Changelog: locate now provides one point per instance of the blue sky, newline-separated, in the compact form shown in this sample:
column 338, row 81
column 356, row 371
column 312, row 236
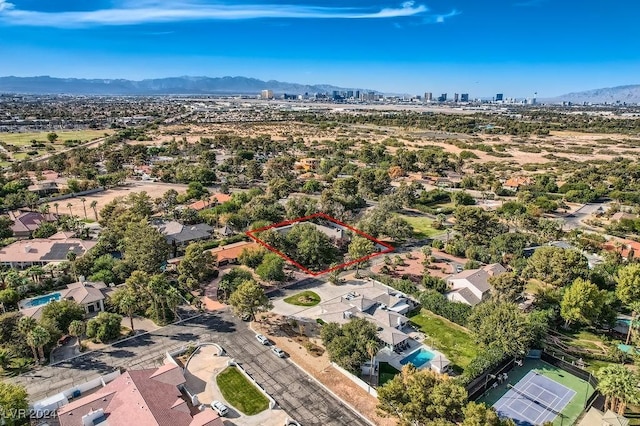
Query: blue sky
column 480, row 47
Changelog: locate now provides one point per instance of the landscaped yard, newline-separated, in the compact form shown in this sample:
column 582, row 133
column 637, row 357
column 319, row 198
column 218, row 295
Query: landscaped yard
column 386, row 373
column 421, row 226
column 20, row 139
column 240, row 392
column 306, row 298
column 451, row 339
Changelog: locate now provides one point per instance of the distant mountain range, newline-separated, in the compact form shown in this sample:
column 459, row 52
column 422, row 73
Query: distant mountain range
column 629, row 94
column 158, row 86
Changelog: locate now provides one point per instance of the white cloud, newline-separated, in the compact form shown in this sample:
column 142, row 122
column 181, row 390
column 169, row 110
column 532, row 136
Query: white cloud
column 131, row 12
column 5, row 5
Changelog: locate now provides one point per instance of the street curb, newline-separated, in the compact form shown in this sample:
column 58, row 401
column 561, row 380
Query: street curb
column 356, row 412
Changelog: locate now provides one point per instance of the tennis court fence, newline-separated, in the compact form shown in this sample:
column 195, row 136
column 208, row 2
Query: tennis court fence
column 478, row 386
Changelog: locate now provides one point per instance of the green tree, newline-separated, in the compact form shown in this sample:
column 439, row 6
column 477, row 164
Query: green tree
column 619, row 385
column 347, row 344
column 628, row 283
column 196, row 267
column 104, row 327
column 252, row 257
column 59, row 314
column 360, row 247
column 556, row 266
column 52, row 137
column 126, row 302
column 419, row 397
column 9, row 297
column 249, row 299
column 37, row 338
column 476, row 225
column 232, row 280
column 14, row 403
column 77, row 329
column 272, row 268
column 506, row 287
column 505, row 327
column 145, row 247
column 45, row 230
column 581, row 303
column 94, row 207
column 5, row 227
column 478, row 414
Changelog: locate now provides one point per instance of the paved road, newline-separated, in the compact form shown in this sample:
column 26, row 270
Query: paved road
column 293, row 390
column 574, row 220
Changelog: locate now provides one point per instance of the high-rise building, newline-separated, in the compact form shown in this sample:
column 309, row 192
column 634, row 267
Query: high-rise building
column 428, row 96
column 442, row 98
column 464, row 97
column 356, row 94
column 266, row 94
column 456, row 97
column 499, row 97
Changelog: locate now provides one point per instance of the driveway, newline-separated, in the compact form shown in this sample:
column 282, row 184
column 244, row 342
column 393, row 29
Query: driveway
column 293, row 389
column 67, row 351
column 574, row 220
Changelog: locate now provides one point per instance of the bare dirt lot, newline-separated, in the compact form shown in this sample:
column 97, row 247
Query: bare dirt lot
column 153, row 189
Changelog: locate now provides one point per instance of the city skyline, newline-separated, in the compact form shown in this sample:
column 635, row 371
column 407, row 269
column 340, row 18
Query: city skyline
column 516, row 47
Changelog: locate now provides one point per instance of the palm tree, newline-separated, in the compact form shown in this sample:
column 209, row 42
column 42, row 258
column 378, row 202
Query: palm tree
column 127, row 303
column 174, row 299
column 77, row 329
column 37, row 338
column 84, row 206
column 372, row 350
column 55, row 205
column 44, row 209
column 69, row 205
column 5, row 358
column 619, row 385
column 94, row 206
column 157, row 289
column 634, row 323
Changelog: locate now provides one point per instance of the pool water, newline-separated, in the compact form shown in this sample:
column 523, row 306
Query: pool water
column 41, row 300
column 418, row 358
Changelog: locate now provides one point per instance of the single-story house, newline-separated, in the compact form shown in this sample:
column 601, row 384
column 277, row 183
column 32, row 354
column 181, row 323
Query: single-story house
column 89, row 295
column 334, row 232
column 472, row 286
column 179, row 235
column 623, row 216
column 141, row 397
column 229, row 254
column 595, row 417
column 513, row 184
column 213, row 200
column 26, row 222
column 42, row 251
column 628, row 249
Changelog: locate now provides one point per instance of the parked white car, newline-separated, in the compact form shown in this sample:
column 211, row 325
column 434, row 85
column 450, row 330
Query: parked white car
column 279, row 352
column 262, row 339
column 220, row 408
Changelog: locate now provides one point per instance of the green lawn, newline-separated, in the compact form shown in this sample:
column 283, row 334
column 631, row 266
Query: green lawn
column 22, row 139
column 421, row 226
column 386, row 373
column 306, row 298
column 451, row 339
column 240, row 392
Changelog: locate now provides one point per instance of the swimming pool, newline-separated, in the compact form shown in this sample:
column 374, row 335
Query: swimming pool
column 418, row 358
column 40, row 300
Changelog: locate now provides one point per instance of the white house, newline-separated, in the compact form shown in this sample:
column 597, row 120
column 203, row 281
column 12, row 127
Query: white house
column 472, row 286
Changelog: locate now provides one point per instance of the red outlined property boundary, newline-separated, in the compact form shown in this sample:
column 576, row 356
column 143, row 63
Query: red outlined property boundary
column 306, row 270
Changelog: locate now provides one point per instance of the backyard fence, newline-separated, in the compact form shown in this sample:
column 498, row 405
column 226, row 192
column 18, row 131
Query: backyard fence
column 361, row 383
column 479, row 386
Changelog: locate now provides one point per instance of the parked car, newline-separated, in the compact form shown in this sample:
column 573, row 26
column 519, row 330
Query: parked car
column 64, row 340
column 291, row 422
column 262, row 339
column 279, row 352
column 459, row 268
column 246, row 317
column 220, row 408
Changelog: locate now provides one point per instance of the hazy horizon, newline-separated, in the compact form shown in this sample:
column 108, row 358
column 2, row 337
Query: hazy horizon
column 515, row 47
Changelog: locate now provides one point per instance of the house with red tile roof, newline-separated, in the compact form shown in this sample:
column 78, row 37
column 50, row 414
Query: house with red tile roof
column 628, row 249
column 215, row 199
column 150, row 397
column 513, row 184
column 230, row 253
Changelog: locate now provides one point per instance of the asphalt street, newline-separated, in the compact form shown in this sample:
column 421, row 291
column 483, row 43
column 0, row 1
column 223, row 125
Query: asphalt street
column 299, row 395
